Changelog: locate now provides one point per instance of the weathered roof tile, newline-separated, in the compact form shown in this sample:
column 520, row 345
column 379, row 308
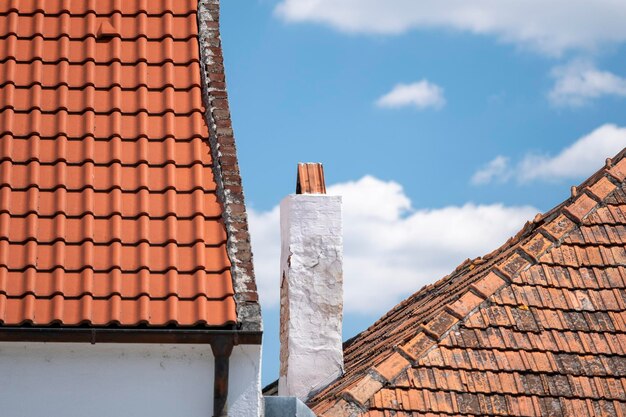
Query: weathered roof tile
column 548, row 340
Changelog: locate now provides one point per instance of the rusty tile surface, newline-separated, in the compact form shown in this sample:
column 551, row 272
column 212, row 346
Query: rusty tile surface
column 549, row 340
column 108, row 205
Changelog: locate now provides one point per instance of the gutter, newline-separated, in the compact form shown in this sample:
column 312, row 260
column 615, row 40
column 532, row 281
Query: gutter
column 95, row 335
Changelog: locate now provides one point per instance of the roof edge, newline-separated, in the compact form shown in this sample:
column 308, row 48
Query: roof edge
column 225, row 167
column 503, row 267
column 95, row 335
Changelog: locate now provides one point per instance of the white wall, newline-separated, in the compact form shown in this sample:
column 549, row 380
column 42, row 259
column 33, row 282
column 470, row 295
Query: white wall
column 311, row 293
column 244, row 388
column 125, row 380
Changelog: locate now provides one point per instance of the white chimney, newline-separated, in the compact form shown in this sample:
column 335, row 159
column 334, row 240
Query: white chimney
column 311, row 289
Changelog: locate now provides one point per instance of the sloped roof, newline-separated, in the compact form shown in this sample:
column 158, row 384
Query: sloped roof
column 112, row 208
column 536, row 328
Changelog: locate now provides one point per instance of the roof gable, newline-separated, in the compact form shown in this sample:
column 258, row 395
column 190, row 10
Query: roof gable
column 112, row 186
column 537, row 327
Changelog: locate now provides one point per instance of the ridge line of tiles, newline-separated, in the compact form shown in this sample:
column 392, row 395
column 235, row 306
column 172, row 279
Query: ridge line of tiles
column 132, row 191
column 158, row 138
column 123, row 295
column 499, row 275
column 117, row 294
column 595, row 242
column 539, row 410
column 185, row 122
column 410, row 413
column 75, row 87
column 38, row 135
column 10, row 58
column 118, row 268
column 568, row 310
column 36, row 35
column 109, row 242
column 574, row 288
column 71, row 13
column 100, row 62
column 111, row 188
column 443, row 368
column 95, row 217
column 589, row 266
column 89, row 161
column 488, row 393
column 557, row 351
column 118, row 324
column 94, row 36
column 89, row 12
column 91, row 110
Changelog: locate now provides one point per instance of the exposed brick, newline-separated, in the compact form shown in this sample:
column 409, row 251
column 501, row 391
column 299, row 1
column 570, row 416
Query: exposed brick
column 417, row 346
column 461, row 307
column 581, row 207
column 223, row 123
column 224, row 131
column 440, row 324
column 537, row 245
column 602, row 188
column 249, row 296
column 558, row 227
column 488, row 285
column 364, row 389
column 392, row 366
column 230, row 192
column 217, row 77
column 220, row 103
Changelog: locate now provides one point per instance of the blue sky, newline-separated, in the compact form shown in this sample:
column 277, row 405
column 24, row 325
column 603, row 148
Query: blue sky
column 493, row 120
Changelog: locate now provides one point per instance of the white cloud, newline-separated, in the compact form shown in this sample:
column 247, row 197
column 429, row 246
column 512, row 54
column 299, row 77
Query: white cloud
column 551, row 26
column 495, row 170
column 579, row 82
column 580, row 159
column 422, row 94
column 577, row 161
column 391, row 250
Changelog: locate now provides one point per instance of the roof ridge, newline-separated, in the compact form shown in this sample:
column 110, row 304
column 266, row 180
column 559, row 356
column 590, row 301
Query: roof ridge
column 516, row 255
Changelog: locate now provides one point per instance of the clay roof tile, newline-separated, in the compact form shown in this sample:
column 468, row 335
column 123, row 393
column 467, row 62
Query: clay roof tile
column 535, row 328
column 110, row 210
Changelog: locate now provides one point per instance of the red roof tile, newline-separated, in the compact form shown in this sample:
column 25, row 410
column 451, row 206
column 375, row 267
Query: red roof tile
column 109, row 209
column 536, row 328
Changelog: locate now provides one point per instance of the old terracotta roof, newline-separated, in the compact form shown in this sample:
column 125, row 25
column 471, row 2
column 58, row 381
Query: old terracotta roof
column 537, row 328
column 110, row 213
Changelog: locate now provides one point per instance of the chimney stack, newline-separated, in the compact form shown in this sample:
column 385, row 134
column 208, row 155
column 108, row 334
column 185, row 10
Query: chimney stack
column 311, row 289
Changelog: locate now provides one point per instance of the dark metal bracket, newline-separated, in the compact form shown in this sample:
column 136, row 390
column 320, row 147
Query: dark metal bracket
column 222, row 349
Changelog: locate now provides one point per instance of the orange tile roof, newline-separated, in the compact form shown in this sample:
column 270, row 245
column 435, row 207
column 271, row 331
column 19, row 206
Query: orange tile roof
column 536, row 328
column 109, row 210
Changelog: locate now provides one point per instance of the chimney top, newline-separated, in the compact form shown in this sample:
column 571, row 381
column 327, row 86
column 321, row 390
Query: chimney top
column 310, row 178
column 311, row 286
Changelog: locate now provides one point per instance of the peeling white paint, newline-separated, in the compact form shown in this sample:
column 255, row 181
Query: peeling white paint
column 311, row 293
